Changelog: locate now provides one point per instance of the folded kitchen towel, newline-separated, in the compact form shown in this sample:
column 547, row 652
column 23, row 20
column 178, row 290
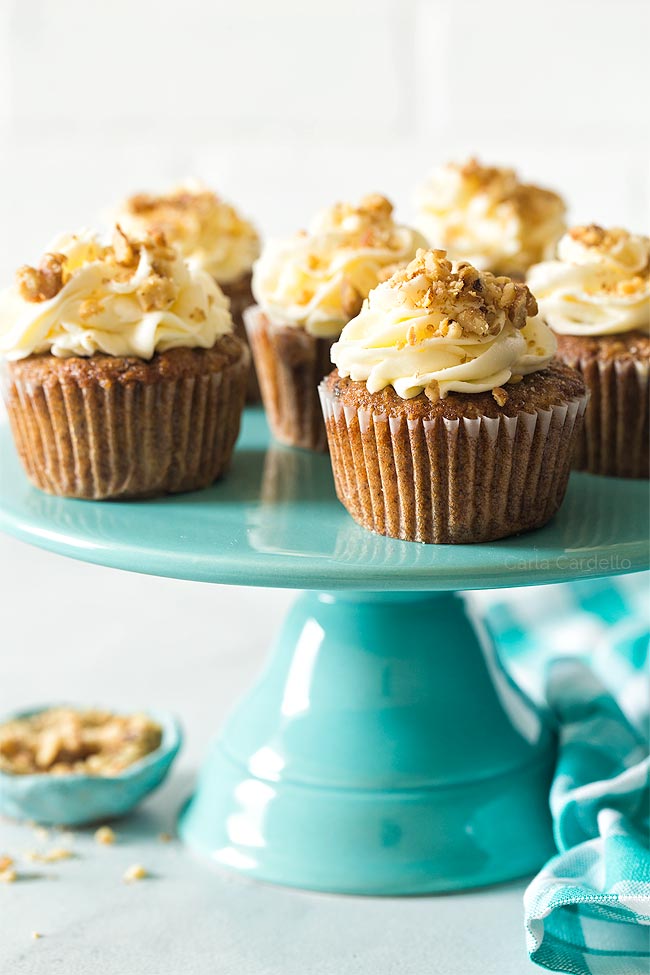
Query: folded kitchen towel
column 583, row 648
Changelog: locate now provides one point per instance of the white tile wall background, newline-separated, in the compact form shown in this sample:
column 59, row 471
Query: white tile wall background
column 287, row 105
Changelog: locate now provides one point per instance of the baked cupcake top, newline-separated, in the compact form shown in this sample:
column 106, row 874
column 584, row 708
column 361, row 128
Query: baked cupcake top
column 438, row 326
column 485, row 215
column 207, row 230
column 598, row 285
column 318, row 279
column 124, row 298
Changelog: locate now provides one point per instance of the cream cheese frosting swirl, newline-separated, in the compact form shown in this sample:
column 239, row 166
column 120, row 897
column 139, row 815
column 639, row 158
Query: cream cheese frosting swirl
column 127, row 298
column 599, row 284
column 442, row 327
column 485, row 215
column 208, row 231
column 318, row 279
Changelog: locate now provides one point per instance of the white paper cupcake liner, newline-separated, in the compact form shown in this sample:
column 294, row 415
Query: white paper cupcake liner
column 451, row 481
column 615, row 437
column 290, row 363
column 98, row 440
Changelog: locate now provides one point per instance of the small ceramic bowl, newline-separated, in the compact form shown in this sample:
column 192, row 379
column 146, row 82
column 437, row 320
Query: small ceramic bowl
column 71, row 800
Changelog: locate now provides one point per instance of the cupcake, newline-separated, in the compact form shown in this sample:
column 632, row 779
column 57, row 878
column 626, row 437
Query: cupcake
column 307, row 289
column 122, row 376
column 448, row 419
column 209, row 233
column 485, row 215
column 596, row 298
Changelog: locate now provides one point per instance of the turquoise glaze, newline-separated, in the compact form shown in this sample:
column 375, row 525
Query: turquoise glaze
column 384, row 750
column 275, row 521
column 71, row 800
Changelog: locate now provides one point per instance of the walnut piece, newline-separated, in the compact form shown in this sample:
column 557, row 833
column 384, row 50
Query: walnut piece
column 500, row 395
column 64, row 741
column 133, row 873
column 105, row 836
column 43, row 282
column 156, row 293
column 351, row 299
column 125, row 250
column 468, row 302
column 432, row 391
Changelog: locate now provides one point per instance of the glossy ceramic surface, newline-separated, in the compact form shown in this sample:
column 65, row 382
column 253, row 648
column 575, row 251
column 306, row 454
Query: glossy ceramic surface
column 383, row 751
column 70, row 800
column 275, row 521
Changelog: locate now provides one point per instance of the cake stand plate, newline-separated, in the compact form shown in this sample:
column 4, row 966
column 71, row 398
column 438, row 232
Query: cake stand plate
column 384, row 750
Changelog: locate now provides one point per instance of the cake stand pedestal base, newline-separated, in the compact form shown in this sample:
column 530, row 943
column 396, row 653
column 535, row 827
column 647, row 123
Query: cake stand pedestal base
column 384, row 750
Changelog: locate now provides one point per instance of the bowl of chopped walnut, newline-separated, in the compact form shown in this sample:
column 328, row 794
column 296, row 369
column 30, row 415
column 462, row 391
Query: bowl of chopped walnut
column 69, row 766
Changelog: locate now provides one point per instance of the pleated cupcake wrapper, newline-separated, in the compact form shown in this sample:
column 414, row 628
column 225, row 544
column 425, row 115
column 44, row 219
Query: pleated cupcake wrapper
column 126, row 440
column 290, row 363
column 451, row 481
column 615, row 438
column 241, row 297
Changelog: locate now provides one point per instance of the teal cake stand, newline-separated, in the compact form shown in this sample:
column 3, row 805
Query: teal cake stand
column 384, row 750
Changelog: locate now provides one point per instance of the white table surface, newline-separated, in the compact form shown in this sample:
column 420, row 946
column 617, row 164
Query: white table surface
column 71, row 631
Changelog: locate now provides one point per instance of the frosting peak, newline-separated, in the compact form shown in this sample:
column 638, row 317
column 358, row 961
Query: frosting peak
column 598, row 285
column 485, row 215
column 207, row 230
column 443, row 327
column 318, row 279
column 127, row 297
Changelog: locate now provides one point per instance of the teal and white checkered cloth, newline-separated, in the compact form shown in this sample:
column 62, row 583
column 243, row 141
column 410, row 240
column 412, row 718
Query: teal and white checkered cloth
column 583, row 649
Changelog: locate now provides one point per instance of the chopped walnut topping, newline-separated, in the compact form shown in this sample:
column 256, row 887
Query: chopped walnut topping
column 126, row 251
column 595, row 236
column 525, row 199
column 156, row 293
column 189, row 217
column 135, row 872
column 62, row 741
column 432, row 391
column 351, row 299
column 468, row 302
column 376, row 205
column 370, row 224
column 500, row 395
column 43, row 282
column 89, row 308
column 197, row 315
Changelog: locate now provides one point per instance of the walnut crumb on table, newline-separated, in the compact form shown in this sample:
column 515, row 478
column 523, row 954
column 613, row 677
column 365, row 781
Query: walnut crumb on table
column 135, row 872
column 8, row 876
column 51, row 856
column 105, row 835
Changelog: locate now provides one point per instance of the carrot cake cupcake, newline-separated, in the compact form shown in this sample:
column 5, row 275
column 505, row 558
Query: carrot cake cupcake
column 122, row 375
column 307, row 289
column 208, row 232
column 596, row 297
column 448, row 419
column 485, row 215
